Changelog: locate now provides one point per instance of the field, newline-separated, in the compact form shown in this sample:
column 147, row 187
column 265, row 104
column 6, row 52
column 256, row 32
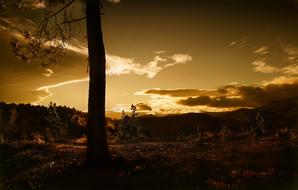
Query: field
column 264, row 163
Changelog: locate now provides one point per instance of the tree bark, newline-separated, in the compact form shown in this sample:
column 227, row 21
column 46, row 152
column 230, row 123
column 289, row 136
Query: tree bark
column 97, row 150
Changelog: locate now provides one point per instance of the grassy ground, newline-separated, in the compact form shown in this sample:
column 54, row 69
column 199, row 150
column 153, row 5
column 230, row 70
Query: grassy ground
column 260, row 164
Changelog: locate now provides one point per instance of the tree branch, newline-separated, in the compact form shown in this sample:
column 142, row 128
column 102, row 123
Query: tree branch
column 74, row 20
column 60, row 10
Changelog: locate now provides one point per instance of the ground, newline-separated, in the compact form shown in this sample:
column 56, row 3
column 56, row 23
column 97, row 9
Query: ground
column 265, row 163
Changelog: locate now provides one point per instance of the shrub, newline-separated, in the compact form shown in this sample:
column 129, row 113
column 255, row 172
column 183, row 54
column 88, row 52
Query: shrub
column 259, row 129
column 128, row 129
column 57, row 129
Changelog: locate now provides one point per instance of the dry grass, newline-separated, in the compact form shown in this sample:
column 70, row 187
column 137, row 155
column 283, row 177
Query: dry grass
column 262, row 164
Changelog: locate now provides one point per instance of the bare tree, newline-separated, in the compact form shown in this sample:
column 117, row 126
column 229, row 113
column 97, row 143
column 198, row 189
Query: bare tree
column 51, row 41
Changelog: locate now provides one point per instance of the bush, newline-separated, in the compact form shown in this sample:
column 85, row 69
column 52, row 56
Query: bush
column 128, row 130
column 57, row 128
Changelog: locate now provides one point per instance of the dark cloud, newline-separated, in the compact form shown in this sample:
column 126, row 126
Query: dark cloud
column 200, row 100
column 143, row 107
column 221, row 101
column 244, row 96
column 256, row 96
column 250, row 96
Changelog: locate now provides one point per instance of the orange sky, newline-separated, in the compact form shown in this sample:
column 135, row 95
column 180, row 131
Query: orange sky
column 166, row 56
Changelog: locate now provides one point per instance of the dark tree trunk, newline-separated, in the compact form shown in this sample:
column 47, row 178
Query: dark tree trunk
column 97, row 150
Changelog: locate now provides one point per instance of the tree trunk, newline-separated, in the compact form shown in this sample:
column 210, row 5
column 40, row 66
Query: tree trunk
column 97, row 150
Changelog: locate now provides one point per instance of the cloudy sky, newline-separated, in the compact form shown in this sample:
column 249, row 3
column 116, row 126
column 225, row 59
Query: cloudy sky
column 166, row 56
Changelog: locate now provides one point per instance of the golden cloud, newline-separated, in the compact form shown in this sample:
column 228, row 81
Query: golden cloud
column 143, row 107
column 230, row 96
column 245, row 96
column 177, row 92
column 262, row 67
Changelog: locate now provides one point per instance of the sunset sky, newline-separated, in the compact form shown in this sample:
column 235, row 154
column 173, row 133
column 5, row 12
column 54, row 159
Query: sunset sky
column 166, row 56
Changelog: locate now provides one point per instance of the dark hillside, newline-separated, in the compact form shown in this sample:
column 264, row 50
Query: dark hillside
column 275, row 115
column 174, row 125
column 25, row 121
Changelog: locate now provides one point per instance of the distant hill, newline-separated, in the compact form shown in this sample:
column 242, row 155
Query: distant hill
column 288, row 108
column 173, row 125
column 281, row 112
column 275, row 114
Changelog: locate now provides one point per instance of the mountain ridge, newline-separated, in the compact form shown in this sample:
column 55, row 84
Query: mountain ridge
column 275, row 114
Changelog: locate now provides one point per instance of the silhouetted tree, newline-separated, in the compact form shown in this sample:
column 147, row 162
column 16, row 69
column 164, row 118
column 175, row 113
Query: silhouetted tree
column 51, row 41
column 97, row 151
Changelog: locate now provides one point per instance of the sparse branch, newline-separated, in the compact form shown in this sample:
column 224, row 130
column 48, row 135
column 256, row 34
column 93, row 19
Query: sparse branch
column 49, row 43
column 74, row 20
column 62, row 9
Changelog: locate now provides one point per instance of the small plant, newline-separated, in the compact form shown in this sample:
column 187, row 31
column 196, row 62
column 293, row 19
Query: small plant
column 128, row 129
column 224, row 133
column 259, row 128
column 283, row 130
column 57, row 129
column 198, row 133
column 260, row 122
column 2, row 139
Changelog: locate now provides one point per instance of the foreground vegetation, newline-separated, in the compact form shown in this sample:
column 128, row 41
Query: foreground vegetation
column 264, row 163
column 245, row 149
